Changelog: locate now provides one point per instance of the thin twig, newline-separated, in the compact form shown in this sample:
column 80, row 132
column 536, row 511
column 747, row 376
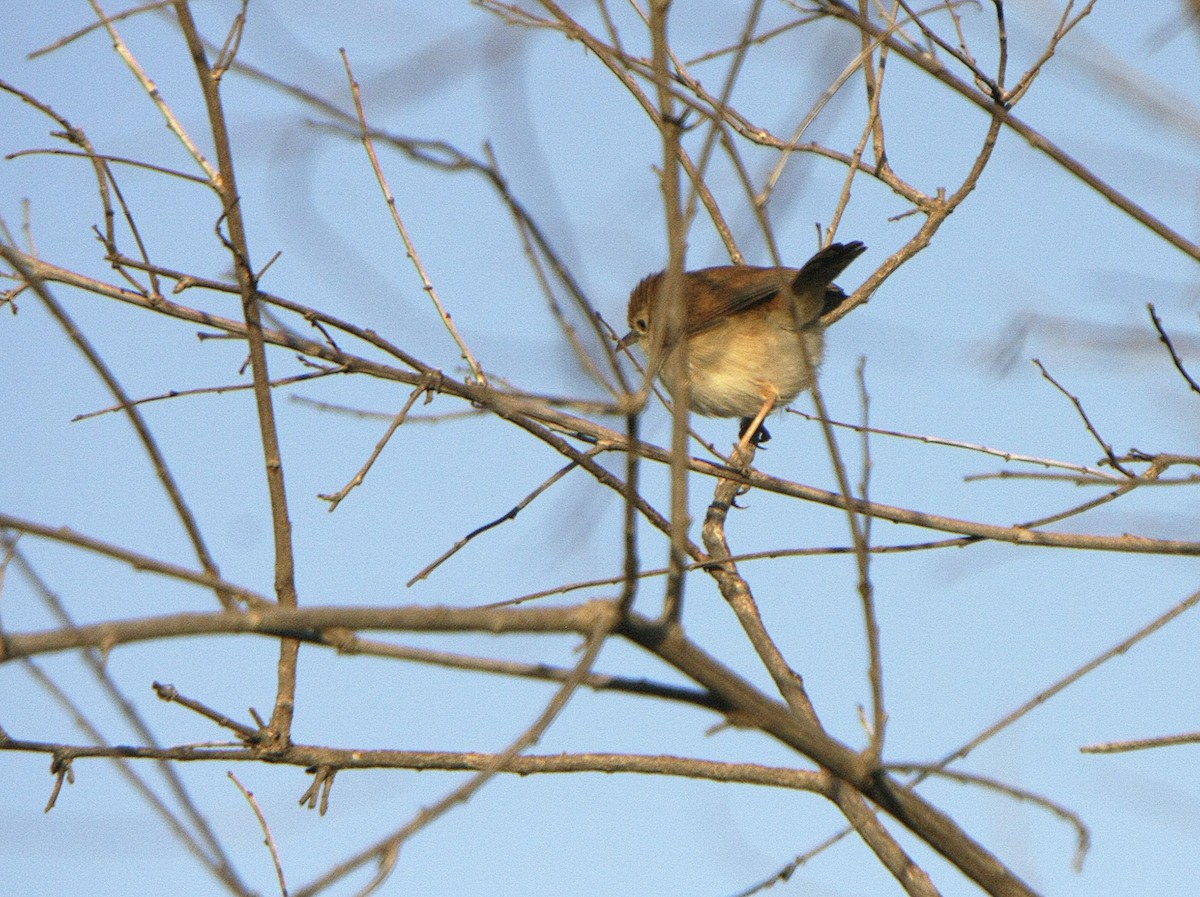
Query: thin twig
column 1140, row 744
column 866, row 589
column 347, row 641
column 171, row 695
column 768, row 554
column 1104, row 446
column 786, row 872
column 1166, row 341
column 968, row 446
column 88, row 29
column 229, row 50
column 962, row 55
column 1065, row 26
column 335, row 498
column 511, row 514
column 792, row 143
column 62, row 770
column 270, row 838
column 536, row 246
column 151, row 90
column 716, row 124
column 1148, row 478
column 1083, row 837
column 409, row 247
column 134, row 559
column 363, row 414
column 207, row 390
column 119, row 160
column 1070, row 679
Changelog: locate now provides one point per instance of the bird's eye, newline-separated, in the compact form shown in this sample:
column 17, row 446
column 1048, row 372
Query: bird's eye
column 641, row 325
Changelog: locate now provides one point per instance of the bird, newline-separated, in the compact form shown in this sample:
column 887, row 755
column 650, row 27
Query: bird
column 748, row 330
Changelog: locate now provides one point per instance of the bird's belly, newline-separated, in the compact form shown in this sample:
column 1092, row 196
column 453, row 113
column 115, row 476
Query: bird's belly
column 733, row 374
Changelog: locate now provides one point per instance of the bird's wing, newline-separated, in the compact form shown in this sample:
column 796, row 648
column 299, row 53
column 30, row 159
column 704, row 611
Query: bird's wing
column 739, row 288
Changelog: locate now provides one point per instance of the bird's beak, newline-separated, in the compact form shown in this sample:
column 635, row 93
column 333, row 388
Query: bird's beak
column 628, row 340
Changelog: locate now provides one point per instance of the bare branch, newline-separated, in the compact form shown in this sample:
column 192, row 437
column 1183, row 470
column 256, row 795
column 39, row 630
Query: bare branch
column 225, row 184
column 270, row 838
column 1105, row 446
column 410, row 249
column 1166, row 341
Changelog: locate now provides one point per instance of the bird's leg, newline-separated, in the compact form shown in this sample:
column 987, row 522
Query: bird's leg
column 761, row 435
column 752, row 431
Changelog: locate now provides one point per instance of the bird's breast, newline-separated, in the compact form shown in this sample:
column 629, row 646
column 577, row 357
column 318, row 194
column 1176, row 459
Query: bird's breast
column 735, row 367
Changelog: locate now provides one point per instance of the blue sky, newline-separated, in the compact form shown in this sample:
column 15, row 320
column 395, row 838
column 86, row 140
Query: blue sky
column 968, row 634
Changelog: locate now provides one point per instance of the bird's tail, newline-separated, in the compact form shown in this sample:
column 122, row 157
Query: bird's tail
column 820, row 270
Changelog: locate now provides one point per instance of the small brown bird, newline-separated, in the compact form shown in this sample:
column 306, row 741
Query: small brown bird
column 747, row 331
